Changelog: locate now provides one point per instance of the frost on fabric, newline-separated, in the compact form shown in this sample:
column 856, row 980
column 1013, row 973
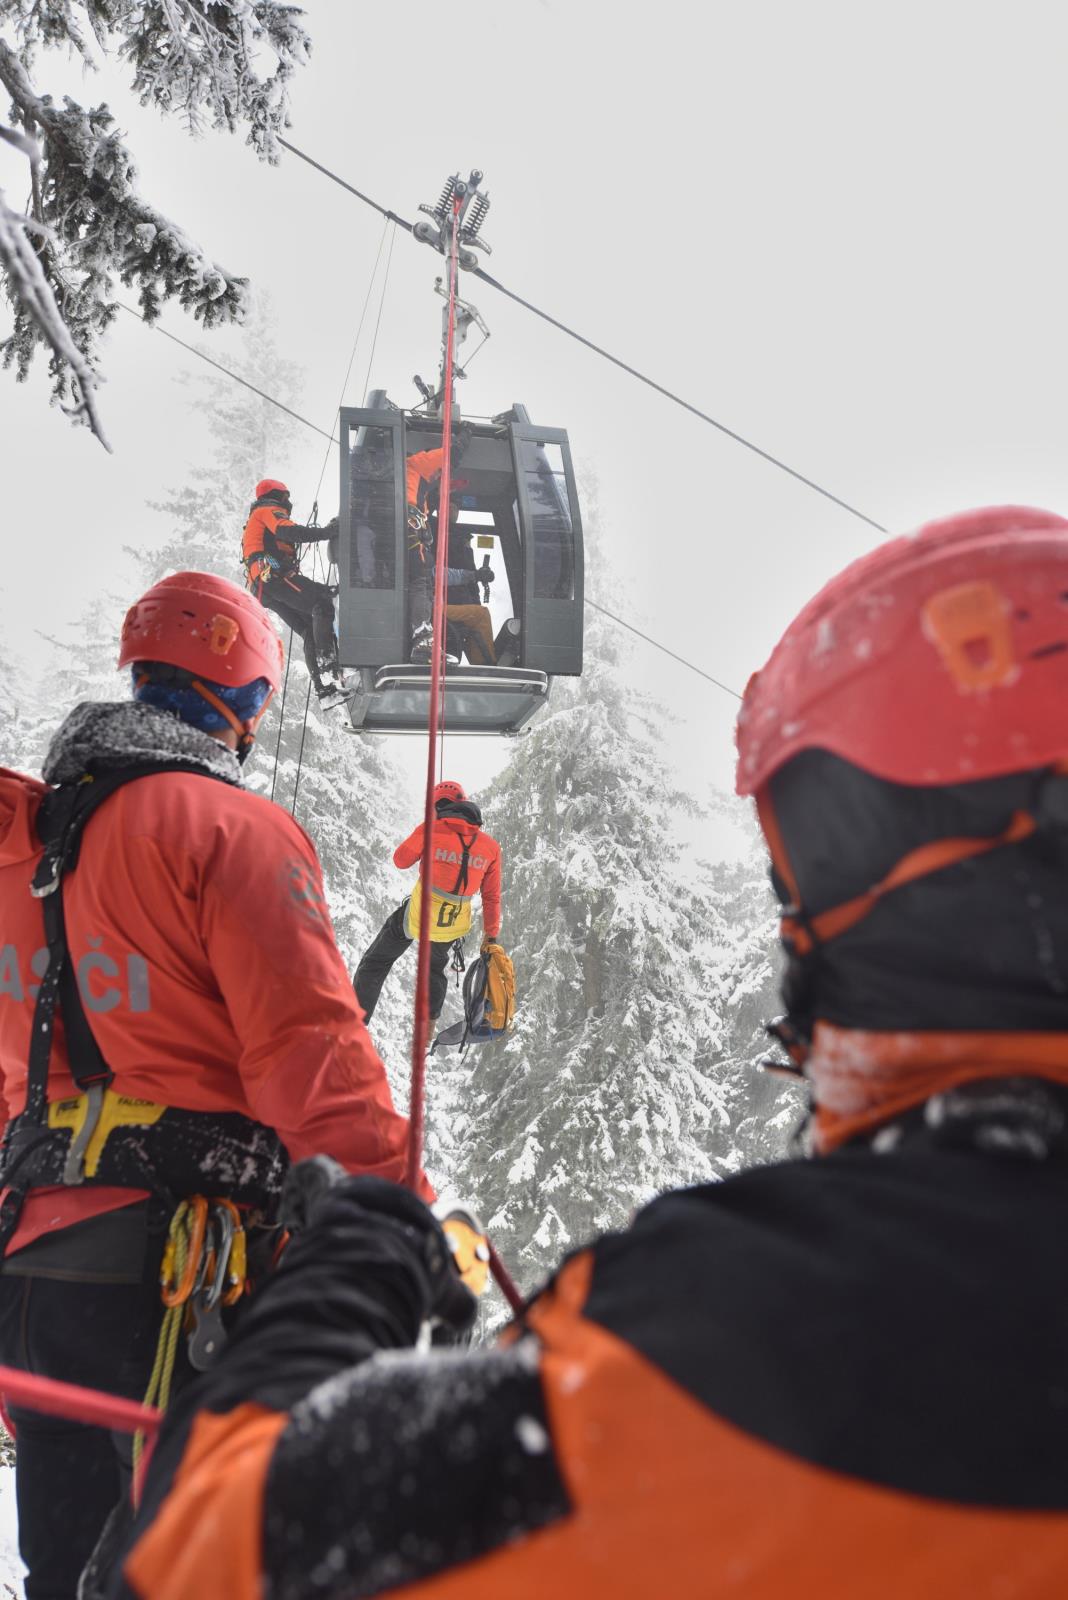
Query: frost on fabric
column 446, row 1457
column 102, row 736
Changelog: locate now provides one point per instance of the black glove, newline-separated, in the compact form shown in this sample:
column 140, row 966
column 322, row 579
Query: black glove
column 306, row 1187
column 318, row 1197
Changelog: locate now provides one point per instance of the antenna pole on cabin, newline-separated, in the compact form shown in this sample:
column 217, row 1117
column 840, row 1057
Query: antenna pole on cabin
column 458, row 316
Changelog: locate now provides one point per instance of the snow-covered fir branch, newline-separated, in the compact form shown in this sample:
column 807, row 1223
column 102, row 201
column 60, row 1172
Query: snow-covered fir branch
column 29, row 285
column 92, row 227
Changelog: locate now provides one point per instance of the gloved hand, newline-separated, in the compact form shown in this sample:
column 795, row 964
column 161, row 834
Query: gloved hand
column 319, row 1193
column 468, row 1242
column 485, row 574
column 307, row 1185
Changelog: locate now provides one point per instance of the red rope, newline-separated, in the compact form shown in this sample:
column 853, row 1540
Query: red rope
column 91, row 1406
column 505, row 1282
column 421, row 1033
column 420, row 1038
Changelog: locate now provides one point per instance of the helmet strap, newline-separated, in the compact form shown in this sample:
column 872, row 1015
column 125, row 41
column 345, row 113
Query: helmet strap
column 246, row 731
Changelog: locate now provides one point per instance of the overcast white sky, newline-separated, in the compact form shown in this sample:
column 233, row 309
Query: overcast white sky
column 838, row 227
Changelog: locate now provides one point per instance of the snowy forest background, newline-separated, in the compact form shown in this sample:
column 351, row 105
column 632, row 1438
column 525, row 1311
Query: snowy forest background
column 645, row 973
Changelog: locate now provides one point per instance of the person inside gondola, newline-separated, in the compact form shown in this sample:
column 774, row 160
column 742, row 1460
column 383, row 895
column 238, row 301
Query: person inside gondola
column 422, row 487
column 469, row 621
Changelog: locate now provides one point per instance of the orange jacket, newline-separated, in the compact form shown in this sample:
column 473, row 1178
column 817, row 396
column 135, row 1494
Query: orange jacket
column 835, row 1379
column 450, row 836
column 264, row 535
column 199, row 930
column 421, row 468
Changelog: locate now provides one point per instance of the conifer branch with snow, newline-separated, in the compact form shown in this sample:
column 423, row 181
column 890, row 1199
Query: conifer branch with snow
column 90, row 225
column 30, row 287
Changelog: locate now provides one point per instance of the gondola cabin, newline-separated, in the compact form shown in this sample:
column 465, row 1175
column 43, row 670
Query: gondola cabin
column 515, row 510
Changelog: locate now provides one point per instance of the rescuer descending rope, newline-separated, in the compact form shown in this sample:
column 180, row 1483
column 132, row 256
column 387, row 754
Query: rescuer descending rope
column 465, row 861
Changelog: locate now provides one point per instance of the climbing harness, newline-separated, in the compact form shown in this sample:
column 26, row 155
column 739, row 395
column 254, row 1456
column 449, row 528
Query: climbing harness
column 204, row 1270
column 99, row 1136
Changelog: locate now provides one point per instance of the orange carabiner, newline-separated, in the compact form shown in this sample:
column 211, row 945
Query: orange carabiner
column 176, row 1294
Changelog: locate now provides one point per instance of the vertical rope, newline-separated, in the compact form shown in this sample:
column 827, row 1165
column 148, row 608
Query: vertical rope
column 417, row 1098
column 378, row 320
column 282, row 714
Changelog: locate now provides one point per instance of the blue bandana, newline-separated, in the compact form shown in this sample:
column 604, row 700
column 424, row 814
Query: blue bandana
column 244, row 700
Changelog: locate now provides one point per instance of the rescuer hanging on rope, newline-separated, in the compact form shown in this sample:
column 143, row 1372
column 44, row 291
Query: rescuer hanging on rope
column 831, row 1377
column 465, row 861
column 175, row 1021
column 272, row 569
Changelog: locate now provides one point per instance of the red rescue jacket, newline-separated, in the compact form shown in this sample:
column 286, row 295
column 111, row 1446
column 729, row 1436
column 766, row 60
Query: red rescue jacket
column 200, row 935
column 451, row 835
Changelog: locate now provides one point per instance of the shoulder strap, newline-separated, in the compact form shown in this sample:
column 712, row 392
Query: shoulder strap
column 60, row 824
column 466, row 845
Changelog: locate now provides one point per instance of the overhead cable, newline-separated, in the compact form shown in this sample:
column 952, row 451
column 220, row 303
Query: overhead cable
column 625, row 366
column 226, row 371
column 663, row 647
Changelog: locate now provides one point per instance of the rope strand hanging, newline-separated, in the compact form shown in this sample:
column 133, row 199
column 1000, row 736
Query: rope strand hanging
column 421, row 1030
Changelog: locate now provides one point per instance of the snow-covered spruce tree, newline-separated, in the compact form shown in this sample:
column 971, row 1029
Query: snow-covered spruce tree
column 246, row 439
column 25, row 720
column 82, row 668
column 619, row 1080
column 740, row 951
column 89, row 224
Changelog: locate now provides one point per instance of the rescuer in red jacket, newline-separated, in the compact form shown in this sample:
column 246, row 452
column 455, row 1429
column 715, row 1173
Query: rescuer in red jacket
column 465, row 861
column 269, row 552
column 207, row 1035
column 835, row 1377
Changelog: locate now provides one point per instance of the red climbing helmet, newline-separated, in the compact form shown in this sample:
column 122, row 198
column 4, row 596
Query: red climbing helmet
column 206, row 625
column 940, row 658
column 449, row 791
column 271, row 486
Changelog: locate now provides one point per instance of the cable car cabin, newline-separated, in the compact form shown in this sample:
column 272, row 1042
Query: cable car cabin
column 515, row 512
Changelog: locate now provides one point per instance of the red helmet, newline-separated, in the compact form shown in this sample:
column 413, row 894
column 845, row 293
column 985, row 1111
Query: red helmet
column 270, row 486
column 206, row 625
column 939, row 658
column 449, row 791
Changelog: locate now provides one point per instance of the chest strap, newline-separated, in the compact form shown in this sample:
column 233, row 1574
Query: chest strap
column 61, row 821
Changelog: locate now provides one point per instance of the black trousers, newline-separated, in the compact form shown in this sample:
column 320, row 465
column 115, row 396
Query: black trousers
column 308, row 608
column 388, row 946
column 420, row 593
column 76, row 1325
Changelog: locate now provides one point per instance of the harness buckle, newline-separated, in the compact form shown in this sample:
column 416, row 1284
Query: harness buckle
column 40, row 890
column 74, row 1169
